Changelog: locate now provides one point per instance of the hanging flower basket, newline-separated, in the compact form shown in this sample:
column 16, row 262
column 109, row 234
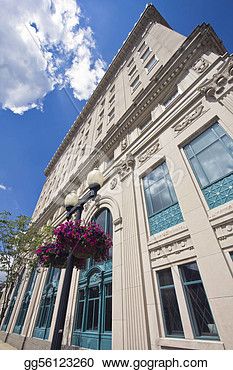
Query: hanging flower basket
column 84, row 240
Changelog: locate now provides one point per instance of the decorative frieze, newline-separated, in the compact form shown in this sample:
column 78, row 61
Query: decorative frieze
column 224, row 233
column 149, row 152
column 201, row 65
column 171, row 249
column 126, row 166
column 191, row 117
column 220, row 82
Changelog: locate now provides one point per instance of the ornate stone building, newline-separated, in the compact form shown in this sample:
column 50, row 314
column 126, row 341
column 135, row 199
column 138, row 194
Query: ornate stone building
column 159, row 126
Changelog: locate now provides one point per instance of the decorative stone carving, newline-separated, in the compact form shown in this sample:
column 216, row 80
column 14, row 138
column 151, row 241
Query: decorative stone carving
column 217, row 85
column 189, row 119
column 126, row 166
column 113, row 183
column 149, row 153
column 201, row 65
column 224, row 232
column 124, row 144
column 176, row 247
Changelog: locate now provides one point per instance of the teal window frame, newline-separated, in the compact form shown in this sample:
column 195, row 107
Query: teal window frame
column 47, row 303
column 197, row 309
column 164, row 299
column 25, row 302
column 217, row 190
column 94, row 276
column 168, row 213
column 12, row 302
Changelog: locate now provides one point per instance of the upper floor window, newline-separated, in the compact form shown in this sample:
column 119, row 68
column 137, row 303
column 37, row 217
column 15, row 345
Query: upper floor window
column 111, row 115
column 99, row 130
column 142, row 47
column 130, row 63
column 211, row 158
column 132, row 72
column 150, row 65
column 146, row 54
column 112, row 100
column 112, row 89
column 171, row 97
column 134, row 85
column 231, row 255
column 162, row 205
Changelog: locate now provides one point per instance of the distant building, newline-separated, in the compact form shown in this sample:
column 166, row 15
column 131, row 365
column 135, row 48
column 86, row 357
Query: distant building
column 160, row 126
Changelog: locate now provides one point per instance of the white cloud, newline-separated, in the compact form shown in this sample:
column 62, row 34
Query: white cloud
column 43, row 46
column 3, row 187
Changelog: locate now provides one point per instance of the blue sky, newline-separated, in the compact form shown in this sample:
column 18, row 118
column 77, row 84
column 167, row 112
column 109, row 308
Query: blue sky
column 37, row 59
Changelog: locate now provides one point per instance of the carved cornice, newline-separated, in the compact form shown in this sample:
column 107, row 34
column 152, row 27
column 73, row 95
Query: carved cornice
column 149, row 15
column 215, row 87
column 149, row 152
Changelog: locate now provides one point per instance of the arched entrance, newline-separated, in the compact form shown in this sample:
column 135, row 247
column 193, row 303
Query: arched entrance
column 93, row 315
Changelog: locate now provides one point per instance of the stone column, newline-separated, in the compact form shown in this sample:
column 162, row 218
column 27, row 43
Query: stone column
column 134, row 308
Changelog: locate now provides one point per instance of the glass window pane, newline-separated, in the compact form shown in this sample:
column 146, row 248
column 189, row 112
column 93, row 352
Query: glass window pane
column 199, row 172
column 96, row 315
column 159, row 191
column 90, row 314
column 108, row 314
column 165, row 277
column 213, row 155
column 199, row 309
column 170, row 308
column 80, row 316
column 203, row 140
column 190, row 272
column 216, row 161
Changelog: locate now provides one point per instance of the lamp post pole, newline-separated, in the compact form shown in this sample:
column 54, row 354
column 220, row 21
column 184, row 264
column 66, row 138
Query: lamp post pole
column 63, row 302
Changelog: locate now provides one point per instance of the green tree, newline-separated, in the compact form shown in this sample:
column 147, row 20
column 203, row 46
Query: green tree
column 19, row 238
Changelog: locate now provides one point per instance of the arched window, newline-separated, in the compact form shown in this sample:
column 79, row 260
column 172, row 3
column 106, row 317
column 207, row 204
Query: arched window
column 25, row 303
column 45, row 313
column 93, row 317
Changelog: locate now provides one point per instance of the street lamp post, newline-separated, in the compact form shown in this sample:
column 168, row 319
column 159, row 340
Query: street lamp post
column 73, row 204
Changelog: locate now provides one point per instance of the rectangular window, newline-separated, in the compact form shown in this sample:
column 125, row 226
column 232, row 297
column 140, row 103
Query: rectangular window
column 200, row 313
column 171, row 98
column 93, row 309
column 99, row 130
column 101, row 114
column 231, row 255
column 162, row 205
column 150, row 65
column 134, row 85
column 170, row 309
column 112, row 100
column 142, row 47
column 112, row 89
column 132, row 72
column 211, row 158
column 146, row 54
column 111, row 115
column 130, row 63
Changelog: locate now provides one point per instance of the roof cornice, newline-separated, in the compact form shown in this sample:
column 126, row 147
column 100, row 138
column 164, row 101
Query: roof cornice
column 150, row 14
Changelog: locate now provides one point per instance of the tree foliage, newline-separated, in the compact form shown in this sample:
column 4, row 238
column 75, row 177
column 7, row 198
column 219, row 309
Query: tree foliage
column 19, row 238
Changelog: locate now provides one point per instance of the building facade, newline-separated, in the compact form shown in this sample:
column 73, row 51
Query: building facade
column 160, row 127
